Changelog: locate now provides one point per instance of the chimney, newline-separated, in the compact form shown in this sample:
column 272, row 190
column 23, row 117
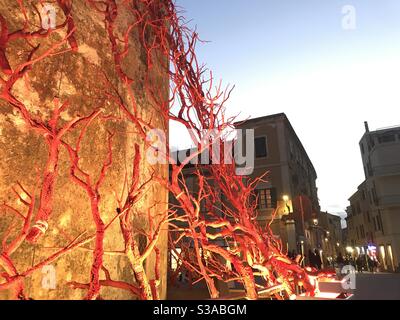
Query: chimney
column 366, row 126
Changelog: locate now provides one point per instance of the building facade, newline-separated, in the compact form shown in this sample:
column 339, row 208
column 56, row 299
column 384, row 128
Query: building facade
column 332, row 229
column 288, row 194
column 290, row 186
column 374, row 213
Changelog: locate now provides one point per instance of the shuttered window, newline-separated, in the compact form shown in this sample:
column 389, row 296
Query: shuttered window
column 266, row 198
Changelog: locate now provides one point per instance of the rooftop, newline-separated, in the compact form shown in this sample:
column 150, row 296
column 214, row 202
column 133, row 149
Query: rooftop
column 392, row 130
column 380, row 130
column 274, row 117
column 397, row 127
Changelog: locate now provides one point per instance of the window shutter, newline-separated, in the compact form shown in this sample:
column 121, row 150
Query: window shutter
column 274, row 199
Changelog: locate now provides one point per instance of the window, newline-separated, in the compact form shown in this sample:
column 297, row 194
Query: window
column 295, row 179
column 362, row 232
column 379, row 221
column 372, row 142
column 374, row 196
column 266, row 198
column 369, row 170
column 387, row 138
column 260, row 145
column 291, row 150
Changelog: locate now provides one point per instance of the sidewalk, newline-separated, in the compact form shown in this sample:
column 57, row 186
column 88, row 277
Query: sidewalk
column 377, row 286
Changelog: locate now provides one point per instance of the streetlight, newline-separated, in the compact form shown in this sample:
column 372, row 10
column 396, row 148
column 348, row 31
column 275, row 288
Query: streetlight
column 349, row 250
column 286, row 200
column 315, row 221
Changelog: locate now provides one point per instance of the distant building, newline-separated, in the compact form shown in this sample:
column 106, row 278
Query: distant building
column 344, row 236
column 291, row 183
column 290, row 186
column 374, row 213
column 333, row 241
column 360, row 229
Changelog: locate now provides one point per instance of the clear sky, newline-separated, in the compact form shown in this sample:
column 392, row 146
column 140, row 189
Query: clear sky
column 294, row 56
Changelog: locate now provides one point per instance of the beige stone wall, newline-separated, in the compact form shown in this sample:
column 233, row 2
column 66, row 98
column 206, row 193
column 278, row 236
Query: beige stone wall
column 75, row 76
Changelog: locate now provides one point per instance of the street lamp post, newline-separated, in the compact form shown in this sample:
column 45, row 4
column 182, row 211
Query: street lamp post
column 289, row 223
column 316, row 234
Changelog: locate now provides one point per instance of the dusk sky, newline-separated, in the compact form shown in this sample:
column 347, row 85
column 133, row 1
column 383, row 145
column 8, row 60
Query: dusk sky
column 293, row 56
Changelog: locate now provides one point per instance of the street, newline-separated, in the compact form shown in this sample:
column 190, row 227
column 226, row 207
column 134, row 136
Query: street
column 378, row 286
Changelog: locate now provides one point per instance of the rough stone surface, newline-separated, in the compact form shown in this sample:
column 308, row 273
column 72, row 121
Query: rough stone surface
column 74, row 76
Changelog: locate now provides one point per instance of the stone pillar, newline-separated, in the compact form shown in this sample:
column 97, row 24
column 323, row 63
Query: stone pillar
column 76, row 77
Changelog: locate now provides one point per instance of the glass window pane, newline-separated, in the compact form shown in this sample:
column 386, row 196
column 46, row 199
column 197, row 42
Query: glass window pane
column 260, row 145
